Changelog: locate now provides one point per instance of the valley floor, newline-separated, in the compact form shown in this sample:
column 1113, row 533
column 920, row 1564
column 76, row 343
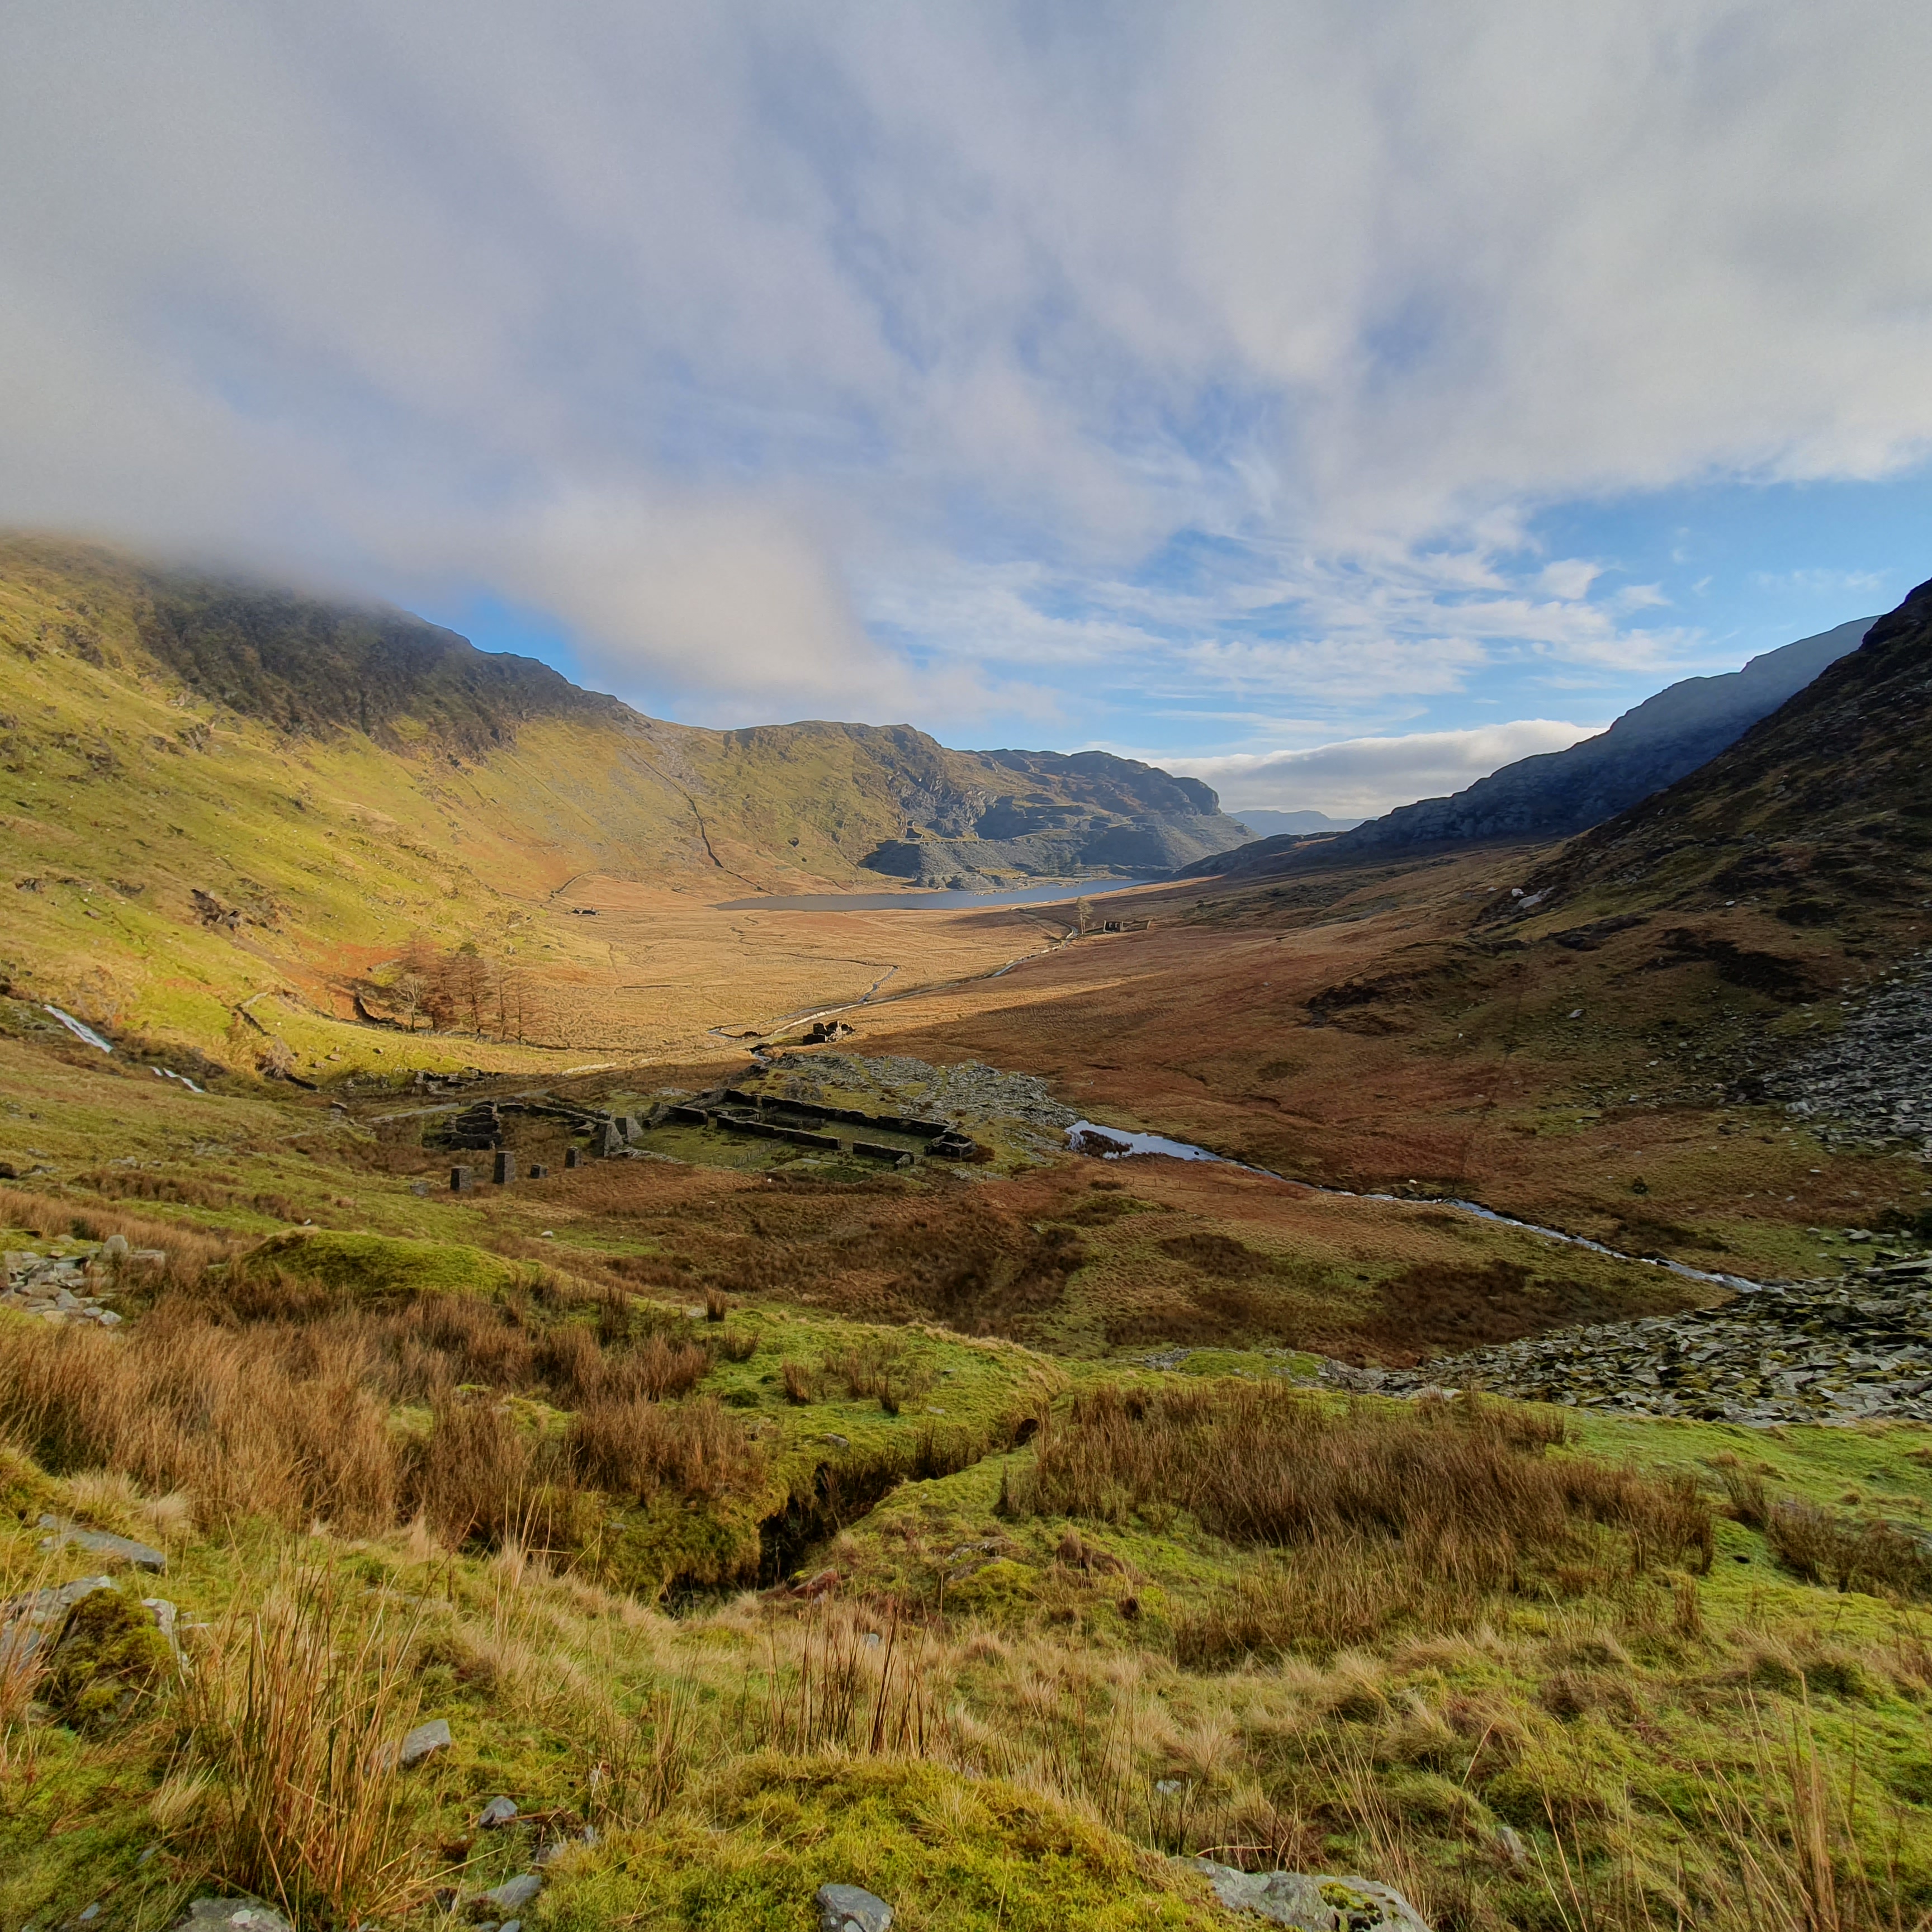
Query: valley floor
column 1000, row 1535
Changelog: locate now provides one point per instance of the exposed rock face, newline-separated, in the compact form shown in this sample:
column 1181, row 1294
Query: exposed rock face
column 1065, row 815
column 1797, row 1351
column 1559, row 792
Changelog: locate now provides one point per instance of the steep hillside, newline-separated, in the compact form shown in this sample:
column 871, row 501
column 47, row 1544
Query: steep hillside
column 197, row 765
column 1820, row 813
column 1559, row 792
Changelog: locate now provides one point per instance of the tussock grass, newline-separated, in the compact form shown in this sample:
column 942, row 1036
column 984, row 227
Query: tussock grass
column 294, row 1709
column 243, row 1423
column 264, row 1396
column 1849, row 1553
column 1470, row 1483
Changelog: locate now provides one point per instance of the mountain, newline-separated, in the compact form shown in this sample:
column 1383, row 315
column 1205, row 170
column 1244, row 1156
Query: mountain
column 1820, row 815
column 1559, row 792
column 1296, row 824
column 190, row 762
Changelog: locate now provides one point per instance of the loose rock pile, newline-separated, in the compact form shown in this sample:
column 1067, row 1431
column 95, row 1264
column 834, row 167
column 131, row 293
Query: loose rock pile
column 70, row 1287
column 1870, row 1084
column 1791, row 1351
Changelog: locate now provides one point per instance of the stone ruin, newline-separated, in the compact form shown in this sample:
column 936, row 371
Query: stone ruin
column 806, row 1124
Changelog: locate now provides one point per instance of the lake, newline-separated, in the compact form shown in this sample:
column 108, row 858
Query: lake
column 931, row 902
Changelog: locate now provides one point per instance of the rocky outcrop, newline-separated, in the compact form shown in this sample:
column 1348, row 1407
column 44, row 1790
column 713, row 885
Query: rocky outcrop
column 1832, row 1351
column 1065, row 814
column 1561, row 793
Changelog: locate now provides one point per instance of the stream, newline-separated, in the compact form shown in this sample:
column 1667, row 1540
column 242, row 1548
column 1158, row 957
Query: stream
column 1127, row 1145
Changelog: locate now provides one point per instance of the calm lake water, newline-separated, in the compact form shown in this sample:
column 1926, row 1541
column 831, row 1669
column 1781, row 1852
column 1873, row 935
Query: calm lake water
column 929, row 901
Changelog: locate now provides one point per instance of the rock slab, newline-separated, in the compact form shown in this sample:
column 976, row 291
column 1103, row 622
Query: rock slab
column 420, row 1742
column 846, row 1908
column 98, row 1542
column 1313, row 1901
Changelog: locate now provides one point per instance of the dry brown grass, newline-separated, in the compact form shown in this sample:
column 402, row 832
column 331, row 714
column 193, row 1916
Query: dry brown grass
column 190, row 1251
column 1379, row 1516
column 1849, row 1553
column 294, row 1707
column 244, row 1423
column 634, row 1447
column 267, row 1398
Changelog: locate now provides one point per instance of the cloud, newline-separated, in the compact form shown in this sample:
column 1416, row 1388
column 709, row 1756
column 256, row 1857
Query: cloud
column 915, row 360
column 1368, row 776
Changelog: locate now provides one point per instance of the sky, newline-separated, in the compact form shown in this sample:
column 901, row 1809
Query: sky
column 1331, row 402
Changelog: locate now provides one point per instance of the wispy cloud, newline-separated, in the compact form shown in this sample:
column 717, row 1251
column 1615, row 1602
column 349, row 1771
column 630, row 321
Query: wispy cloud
column 934, row 361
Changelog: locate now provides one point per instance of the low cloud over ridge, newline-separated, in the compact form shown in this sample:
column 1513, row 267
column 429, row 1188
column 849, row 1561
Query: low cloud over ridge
column 1366, row 777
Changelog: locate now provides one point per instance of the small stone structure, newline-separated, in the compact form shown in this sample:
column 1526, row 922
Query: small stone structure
column 806, row 1124
column 462, row 1180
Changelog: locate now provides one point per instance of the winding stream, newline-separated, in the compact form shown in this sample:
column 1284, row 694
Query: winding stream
column 1127, row 1145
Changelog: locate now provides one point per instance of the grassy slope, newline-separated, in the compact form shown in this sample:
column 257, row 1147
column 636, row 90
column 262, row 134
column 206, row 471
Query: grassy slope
column 346, row 779
column 1044, row 1672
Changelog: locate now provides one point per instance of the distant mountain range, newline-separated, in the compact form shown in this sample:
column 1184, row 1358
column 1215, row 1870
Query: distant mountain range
column 1560, row 793
column 1294, row 824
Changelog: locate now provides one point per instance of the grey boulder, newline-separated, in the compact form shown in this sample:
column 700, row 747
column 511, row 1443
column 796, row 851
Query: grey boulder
column 514, row 1894
column 1313, row 1902
column 232, row 1915
column 845, row 1908
column 27, row 1622
column 420, row 1742
column 498, row 1812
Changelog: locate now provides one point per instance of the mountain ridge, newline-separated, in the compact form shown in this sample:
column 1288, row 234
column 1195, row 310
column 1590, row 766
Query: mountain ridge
column 1556, row 794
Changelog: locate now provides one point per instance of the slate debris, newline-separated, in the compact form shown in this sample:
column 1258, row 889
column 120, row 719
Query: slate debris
column 62, row 1289
column 232, row 1914
column 1870, row 1084
column 1820, row 1352
column 513, row 1894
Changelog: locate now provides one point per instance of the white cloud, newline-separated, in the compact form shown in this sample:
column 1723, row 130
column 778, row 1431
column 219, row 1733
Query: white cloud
column 1366, row 777
column 802, row 354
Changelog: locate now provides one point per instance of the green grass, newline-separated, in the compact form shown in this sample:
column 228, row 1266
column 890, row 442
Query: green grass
column 377, row 1268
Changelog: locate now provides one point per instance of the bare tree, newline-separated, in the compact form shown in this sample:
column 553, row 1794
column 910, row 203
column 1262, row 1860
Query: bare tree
column 409, row 992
